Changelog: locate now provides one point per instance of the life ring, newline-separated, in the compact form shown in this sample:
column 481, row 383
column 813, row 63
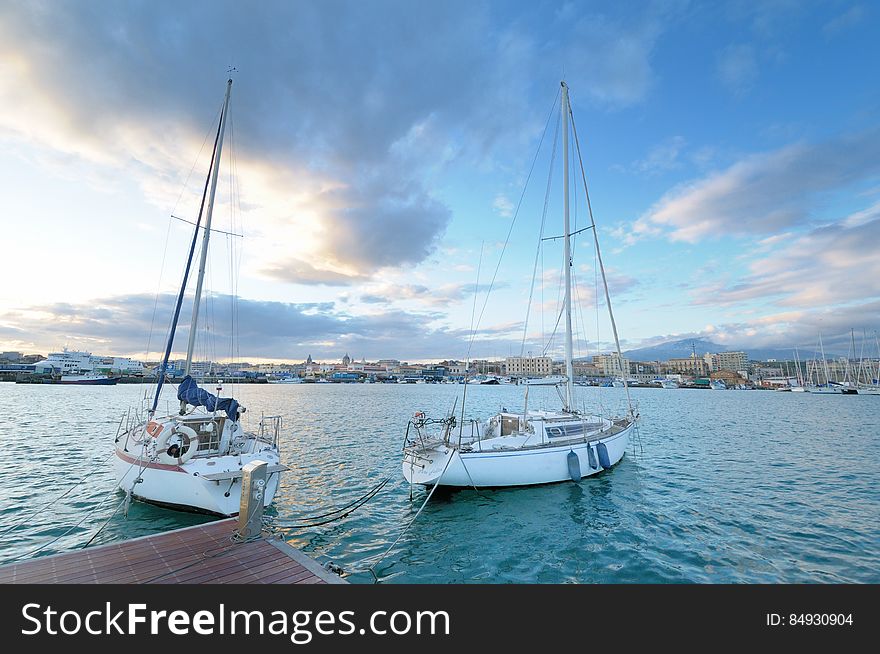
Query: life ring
column 188, row 433
column 154, row 428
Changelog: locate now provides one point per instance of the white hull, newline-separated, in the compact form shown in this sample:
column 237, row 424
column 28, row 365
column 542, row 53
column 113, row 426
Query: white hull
column 182, row 487
column 522, row 467
column 552, row 380
column 206, row 480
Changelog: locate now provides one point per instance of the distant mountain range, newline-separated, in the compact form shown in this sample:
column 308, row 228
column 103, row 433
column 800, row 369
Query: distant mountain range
column 685, row 347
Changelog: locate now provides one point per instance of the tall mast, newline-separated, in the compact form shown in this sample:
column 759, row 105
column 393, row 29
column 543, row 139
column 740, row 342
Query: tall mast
column 163, row 367
column 824, row 361
column 204, row 256
column 569, row 365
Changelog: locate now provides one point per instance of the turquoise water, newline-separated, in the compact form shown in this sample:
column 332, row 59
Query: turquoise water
column 727, row 486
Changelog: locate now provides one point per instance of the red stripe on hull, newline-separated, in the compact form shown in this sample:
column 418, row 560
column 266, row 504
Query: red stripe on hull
column 149, row 464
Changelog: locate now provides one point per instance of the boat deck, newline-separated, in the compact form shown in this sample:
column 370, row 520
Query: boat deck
column 203, row 554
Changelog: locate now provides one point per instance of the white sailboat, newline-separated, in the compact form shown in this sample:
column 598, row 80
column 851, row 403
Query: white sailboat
column 193, row 459
column 531, row 447
column 830, row 386
column 869, row 380
column 549, row 380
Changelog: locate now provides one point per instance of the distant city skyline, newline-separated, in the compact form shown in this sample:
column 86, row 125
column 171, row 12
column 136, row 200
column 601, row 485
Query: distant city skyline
column 732, row 149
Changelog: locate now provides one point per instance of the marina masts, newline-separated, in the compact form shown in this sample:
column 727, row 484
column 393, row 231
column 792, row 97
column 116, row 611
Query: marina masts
column 204, row 256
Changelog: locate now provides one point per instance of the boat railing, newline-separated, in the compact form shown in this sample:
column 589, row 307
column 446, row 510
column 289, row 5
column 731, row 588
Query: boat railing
column 270, row 429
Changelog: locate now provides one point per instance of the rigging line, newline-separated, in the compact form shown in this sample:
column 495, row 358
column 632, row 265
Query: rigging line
column 518, row 207
column 329, row 513
column 158, row 293
column 601, row 265
column 41, row 509
column 216, row 231
column 555, row 328
column 164, row 363
column 106, row 522
column 198, row 156
column 467, row 358
column 358, row 504
column 168, row 233
column 418, row 513
column 57, row 538
column 540, row 239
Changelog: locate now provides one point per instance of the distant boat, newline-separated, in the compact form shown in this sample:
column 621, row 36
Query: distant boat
column 669, row 383
column 549, row 380
column 527, row 447
column 718, row 385
column 77, row 362
column 90, row 379
column 286, row 380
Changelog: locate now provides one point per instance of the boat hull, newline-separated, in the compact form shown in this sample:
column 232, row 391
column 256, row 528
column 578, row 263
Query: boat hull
column 183, row 488
column 496, row 469
column 100, row 381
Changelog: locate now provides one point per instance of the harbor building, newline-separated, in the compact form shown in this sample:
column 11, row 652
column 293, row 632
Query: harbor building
column 732, row 361
column 692, row 365
column 611, row 365
column 529, row 366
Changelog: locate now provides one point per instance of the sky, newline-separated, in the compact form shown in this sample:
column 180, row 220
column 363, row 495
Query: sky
column 390, row 168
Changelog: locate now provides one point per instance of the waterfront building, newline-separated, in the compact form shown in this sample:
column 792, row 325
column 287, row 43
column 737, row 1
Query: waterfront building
column 692, row 365
column 586, row 369
column 529, row 366
column 612, row 365
column 733, row 361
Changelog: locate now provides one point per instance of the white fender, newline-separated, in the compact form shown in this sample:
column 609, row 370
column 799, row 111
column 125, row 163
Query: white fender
column 162, row 445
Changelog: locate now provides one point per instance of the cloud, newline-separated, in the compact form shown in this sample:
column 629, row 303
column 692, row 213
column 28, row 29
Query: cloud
column 828, row 266
column 120, row 325
column 738, row 68
column 661, row 158
column 763, row 193
column 439, row 296
column 842, row 22
column 503, row 206
column 610, row 55
column 333, row 159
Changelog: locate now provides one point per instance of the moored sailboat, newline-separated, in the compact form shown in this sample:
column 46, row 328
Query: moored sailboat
column 193, row 459
column 529, row 447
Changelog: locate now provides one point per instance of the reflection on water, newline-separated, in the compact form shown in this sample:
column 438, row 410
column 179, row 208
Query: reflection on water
column 736, row 486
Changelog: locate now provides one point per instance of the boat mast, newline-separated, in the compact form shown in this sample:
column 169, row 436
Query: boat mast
column 569, row 365
column 163, row 366
column 824, row 362
column 204, row 256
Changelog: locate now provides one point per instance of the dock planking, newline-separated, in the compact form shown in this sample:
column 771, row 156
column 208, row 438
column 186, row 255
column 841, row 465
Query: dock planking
column 203, row 554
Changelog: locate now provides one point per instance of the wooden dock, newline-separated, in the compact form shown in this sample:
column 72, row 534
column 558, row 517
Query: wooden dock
column 204, row 554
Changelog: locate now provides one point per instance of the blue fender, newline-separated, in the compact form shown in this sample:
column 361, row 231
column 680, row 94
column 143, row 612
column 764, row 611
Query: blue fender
column 602, row 451
column 591, row 456
column 574, row 466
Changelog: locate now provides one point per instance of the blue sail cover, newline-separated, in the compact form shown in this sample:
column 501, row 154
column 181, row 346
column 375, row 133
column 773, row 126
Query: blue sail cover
column 189, row 392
